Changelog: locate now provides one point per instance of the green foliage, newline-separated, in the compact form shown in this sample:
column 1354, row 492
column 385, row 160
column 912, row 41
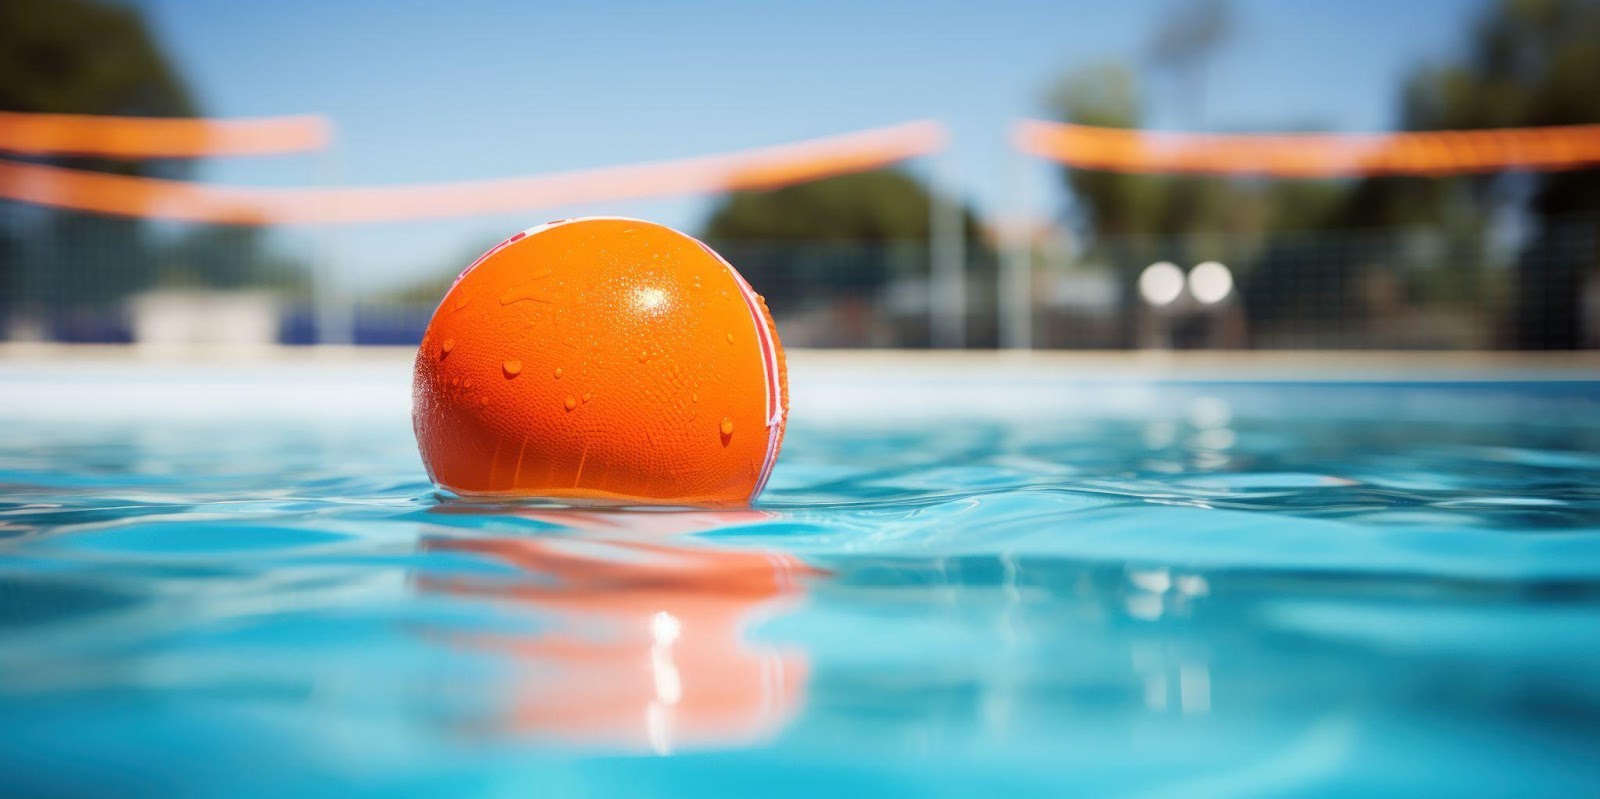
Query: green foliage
column 1529, row 63
column 884, row 205
column 1113, row 204
column 231, row 257
column 84, row 57
column 88, row 57
column 841, row 241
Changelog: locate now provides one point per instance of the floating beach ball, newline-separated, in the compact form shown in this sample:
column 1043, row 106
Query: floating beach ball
column 601, row 359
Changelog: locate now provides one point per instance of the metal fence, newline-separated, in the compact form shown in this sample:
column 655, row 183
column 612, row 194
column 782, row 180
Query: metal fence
column 1404, row 289
column 81, row 278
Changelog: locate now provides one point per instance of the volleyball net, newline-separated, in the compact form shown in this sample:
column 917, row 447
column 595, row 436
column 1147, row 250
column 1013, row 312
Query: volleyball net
column 1485, row 281
column 1312, row 155
column 1041, row 287
column 156, row 198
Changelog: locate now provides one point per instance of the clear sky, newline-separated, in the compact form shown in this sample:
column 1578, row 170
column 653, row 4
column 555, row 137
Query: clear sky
column 433, row 91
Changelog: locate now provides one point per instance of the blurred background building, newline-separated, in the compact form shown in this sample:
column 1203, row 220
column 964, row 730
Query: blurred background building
column 977, row 244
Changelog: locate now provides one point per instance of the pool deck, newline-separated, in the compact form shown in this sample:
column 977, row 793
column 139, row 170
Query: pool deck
column 100, row 383
column 1246, row 365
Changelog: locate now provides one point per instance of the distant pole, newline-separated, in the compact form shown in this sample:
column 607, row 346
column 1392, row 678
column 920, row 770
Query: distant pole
column 1016, row 289
column 947, row 245
column 335, row 319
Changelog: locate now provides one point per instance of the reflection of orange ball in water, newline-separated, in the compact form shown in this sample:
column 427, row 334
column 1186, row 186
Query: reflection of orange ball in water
column 601, row 358
column 642, row 644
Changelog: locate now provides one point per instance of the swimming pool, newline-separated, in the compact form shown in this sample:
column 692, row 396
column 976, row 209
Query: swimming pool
column 231, row 578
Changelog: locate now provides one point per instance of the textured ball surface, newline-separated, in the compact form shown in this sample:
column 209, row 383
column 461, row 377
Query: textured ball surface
column 604, row 359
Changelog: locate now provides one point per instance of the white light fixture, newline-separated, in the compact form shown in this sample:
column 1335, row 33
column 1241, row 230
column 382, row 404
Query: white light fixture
column 1161, row 283
column 1210, row 282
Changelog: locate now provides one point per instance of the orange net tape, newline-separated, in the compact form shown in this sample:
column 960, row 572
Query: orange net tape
column 142, row 137
column 751, row 169
column 1313, row 155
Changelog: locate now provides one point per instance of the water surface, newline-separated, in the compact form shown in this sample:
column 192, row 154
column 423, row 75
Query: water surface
column 1111, row 588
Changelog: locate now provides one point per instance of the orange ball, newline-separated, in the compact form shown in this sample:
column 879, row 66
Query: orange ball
column 601, row 359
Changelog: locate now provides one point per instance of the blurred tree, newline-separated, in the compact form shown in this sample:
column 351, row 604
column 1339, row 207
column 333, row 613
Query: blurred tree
column 84, row 57
column 1528, row 63
column 1116, row 205
column 88, row 57
column 231, row 257
column 1109, row 203
column 81, row 57
column 843, row 239
column 1183, row 44
column 883, row 205
column 1133, row 220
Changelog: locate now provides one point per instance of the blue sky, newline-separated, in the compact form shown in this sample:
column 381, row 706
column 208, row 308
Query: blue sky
column 432, row 91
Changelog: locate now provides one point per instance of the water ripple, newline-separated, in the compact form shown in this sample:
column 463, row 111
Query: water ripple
column 1234, row 581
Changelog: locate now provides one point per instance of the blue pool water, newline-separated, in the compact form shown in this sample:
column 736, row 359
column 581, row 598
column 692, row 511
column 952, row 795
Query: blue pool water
column 1008, row 586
